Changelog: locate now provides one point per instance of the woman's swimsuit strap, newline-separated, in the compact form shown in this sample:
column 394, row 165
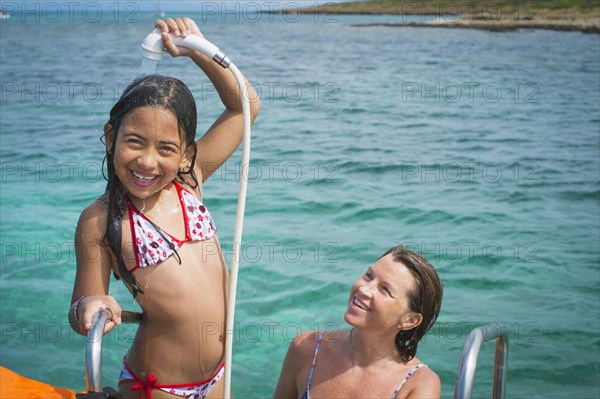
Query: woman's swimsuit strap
column 411, row 372
column 312, row 367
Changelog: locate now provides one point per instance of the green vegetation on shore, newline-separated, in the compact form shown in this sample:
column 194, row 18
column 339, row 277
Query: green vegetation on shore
column 482, row 9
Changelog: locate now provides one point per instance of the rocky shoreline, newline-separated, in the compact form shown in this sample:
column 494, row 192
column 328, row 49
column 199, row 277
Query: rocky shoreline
column 498, row 26
column 495, row 17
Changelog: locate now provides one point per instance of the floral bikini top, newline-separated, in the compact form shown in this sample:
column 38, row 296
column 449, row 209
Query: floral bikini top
column 153, row 245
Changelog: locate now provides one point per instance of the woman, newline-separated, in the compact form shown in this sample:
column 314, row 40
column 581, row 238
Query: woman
column 390, row 309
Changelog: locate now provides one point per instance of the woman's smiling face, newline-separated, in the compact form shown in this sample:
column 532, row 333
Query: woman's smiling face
column 379, row 298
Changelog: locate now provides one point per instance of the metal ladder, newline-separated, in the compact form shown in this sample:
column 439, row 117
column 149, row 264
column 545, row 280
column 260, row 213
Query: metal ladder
column 464, row 377
column 93, row 352
column 468, row 361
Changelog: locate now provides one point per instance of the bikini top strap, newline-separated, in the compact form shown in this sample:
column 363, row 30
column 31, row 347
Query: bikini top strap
column 411, row 372
column 312, row 367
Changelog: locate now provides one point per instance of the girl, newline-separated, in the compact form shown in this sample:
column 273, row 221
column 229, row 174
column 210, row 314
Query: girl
column 390, row 309
column 151, row 230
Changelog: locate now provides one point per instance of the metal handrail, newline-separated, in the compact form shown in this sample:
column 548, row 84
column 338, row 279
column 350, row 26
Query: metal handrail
column 468, row 361
column 93, row 353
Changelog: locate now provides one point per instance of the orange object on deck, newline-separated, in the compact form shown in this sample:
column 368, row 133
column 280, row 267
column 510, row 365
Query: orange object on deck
column 14, row 386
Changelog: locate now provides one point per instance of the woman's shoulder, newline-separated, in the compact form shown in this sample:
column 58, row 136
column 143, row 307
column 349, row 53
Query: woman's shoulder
column 425, row 373
column 423, row 382
column 305, row 344
column 304, row 341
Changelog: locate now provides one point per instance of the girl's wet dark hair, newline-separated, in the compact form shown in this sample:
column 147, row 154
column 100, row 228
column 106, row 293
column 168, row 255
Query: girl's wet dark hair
column 425, row 299
column 150, row 91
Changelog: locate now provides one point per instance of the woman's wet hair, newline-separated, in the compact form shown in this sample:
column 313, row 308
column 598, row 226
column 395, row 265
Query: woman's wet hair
column 160, row 92
column 425, row 298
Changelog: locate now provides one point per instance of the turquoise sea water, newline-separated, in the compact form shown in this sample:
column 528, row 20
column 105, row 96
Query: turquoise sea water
column 479, row 150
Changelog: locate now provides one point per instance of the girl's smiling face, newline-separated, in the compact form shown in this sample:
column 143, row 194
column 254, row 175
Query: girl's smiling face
column 149, row 151
column 379, row 298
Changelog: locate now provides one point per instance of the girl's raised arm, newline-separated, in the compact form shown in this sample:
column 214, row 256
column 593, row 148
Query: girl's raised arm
column 93, row 272
column 226, row 133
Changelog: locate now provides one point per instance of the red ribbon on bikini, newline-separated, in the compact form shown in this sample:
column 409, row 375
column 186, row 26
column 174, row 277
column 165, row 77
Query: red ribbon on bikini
column 146, row 386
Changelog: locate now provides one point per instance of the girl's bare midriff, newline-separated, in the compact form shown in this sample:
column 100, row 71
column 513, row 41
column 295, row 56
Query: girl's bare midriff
column 181, row 338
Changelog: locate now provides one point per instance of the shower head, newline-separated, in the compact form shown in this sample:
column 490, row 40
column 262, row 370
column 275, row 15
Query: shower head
column 153, row 46
column 154, row 50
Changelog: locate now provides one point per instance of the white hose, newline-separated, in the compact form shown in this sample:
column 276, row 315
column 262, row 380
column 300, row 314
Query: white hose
column 239, row 225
